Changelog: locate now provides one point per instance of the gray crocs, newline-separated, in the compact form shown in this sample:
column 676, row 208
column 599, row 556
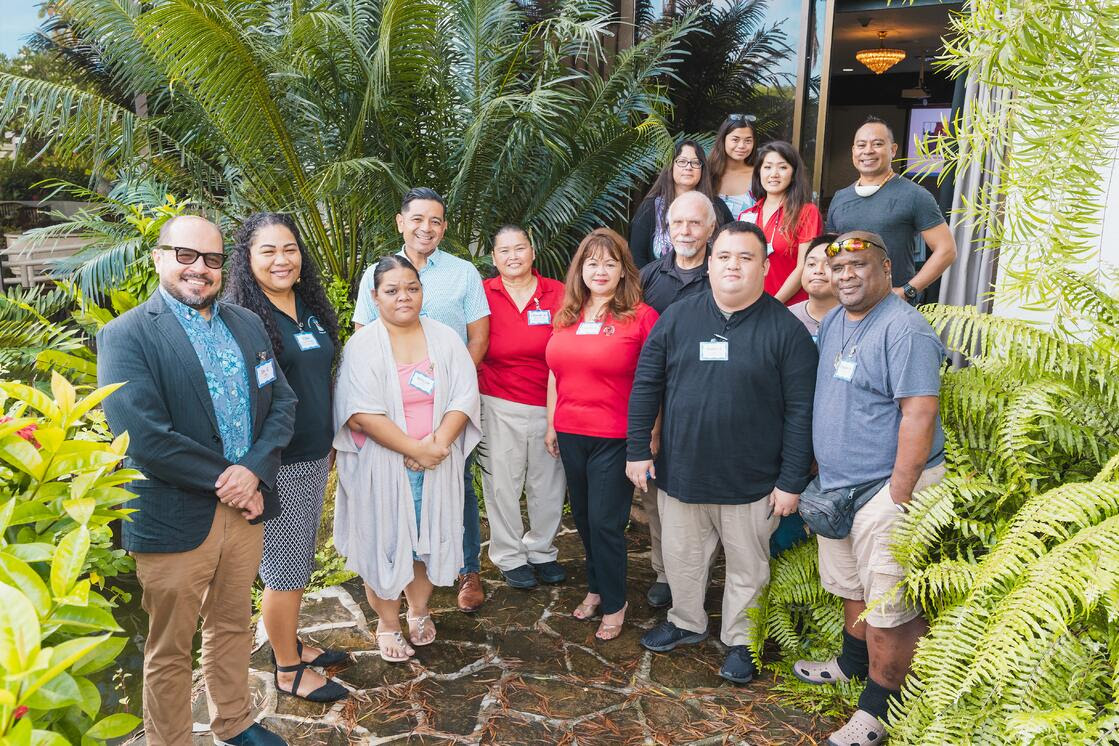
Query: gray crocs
column 863, row 729
column 817, row 672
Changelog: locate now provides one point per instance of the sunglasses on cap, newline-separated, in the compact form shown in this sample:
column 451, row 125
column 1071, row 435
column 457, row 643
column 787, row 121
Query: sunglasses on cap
column 851, row 244
column 213, row 260
column 742, row 118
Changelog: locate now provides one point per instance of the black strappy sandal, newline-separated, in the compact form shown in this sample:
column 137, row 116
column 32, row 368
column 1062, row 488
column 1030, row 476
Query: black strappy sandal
column 326, row 658
column 331, row 691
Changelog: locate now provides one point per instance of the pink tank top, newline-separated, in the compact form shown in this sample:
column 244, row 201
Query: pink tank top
column 419, row 405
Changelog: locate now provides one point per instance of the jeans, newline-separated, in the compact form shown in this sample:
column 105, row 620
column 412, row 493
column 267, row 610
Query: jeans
column 471, row 524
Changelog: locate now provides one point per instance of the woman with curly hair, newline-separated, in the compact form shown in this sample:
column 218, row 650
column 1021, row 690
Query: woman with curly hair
column 271, row 274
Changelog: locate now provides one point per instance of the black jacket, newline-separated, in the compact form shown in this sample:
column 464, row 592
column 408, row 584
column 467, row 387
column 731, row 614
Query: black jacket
column 165, row 408
column 644, row 225
column 732, row 429
column 662, row 286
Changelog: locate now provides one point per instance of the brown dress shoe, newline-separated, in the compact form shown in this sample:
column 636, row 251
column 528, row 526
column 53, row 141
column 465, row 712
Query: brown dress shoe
column 470, row 592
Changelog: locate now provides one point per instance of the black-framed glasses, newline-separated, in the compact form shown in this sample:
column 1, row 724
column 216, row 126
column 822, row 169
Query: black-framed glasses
column 851, row 244
column 688, row 163
column 748, row 118
column 183, row 255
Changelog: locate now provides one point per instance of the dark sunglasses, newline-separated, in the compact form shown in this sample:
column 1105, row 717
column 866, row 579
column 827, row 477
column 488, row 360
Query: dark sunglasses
column 213, row 260
column 850, row 244
column 742, row 118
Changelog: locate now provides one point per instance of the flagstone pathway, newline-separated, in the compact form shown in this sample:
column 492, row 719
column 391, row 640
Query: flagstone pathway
column 523, row 671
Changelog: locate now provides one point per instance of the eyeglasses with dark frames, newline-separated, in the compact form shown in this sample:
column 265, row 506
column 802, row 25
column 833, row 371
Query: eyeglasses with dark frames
column 183, row 255
column 688, row 163
column 851, row 244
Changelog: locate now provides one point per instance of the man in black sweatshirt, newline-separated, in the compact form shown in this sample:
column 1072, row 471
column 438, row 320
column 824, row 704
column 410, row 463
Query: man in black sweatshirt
column 735, row 373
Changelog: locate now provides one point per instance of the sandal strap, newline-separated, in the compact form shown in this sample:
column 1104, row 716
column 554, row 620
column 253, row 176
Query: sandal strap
column 298, row 668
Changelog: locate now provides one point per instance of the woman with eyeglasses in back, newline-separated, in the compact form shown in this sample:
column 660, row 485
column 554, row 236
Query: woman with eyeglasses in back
column 688, row 171
column 733, row 159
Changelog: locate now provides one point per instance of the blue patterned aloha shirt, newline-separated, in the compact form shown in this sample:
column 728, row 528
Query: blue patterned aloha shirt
column 226, row 377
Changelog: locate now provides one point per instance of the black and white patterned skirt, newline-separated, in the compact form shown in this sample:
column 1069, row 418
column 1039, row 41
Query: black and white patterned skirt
column 289, row 538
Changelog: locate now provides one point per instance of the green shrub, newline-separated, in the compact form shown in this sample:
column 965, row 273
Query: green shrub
column 59, row 489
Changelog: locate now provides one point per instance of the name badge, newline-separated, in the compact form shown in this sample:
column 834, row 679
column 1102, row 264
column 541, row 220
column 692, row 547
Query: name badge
column 845, row 369
column 716, row 349
column 265, row 373
column 539, row 317
column 306, row 341
column 422, row 382
column 589, row 327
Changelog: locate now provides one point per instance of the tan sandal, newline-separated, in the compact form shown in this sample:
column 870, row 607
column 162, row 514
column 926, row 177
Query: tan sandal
column 421, row 622
column 863, row 729
column 585, row 611
column 398, row 639
column 603, row 632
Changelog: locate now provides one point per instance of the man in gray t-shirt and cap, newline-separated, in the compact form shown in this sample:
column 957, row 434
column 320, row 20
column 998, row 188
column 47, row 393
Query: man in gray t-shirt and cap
column 896, row 209
column 875, row 416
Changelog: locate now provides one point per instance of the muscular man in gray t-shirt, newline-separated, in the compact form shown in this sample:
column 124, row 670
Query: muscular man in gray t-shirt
column 896, row 209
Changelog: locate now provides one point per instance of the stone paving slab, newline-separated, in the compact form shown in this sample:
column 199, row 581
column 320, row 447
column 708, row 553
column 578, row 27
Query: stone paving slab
column 522, row 670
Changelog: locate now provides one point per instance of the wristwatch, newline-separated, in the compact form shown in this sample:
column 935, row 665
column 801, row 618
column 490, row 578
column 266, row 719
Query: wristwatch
column 910, row 293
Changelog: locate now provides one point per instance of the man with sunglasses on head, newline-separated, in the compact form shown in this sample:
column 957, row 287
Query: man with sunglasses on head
column 875, row 430
column 895, row 208
column 207, row 412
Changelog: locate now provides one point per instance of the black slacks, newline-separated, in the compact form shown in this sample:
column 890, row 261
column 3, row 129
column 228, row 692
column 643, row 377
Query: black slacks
column 600, row 496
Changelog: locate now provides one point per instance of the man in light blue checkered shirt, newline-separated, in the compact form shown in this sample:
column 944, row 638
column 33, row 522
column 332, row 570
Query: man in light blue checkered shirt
column 453, row 295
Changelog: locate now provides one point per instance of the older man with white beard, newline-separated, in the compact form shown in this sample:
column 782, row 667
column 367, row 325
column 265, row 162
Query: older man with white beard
column 683, row 270
column 678, row 274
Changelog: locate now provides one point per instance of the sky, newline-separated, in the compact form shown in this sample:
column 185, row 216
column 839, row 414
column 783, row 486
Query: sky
column 18, row 18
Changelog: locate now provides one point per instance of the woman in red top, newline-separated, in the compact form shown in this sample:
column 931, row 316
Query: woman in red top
column 513, row 380
column 599, row 332
column 787, row 217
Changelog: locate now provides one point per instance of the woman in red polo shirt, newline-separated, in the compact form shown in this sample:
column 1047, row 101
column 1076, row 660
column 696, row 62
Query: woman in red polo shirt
column 513, row 380
column 787, row 217
column 599, row 332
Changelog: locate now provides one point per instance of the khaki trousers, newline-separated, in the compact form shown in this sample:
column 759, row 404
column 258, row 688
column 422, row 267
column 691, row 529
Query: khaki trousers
column 514, row 460
column 650, row 500
column 215, row 580
column 691, row 537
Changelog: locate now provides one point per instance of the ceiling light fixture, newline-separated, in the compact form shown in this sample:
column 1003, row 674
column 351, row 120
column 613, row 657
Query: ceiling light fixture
column 881, row 59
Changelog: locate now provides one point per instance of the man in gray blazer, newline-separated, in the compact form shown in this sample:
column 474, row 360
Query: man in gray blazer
column 207, row 411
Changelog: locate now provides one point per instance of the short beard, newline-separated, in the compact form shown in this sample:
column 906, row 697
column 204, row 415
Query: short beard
column 197, row 303
column 687, row 253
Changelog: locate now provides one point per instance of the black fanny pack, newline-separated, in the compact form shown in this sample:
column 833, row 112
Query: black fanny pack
column 830, row 513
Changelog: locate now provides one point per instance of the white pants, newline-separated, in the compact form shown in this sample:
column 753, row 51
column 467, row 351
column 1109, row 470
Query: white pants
column 513, row 460
column 691, row 536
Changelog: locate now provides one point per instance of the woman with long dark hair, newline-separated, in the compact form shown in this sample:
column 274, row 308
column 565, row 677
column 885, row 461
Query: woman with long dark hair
column 271, row 274
column 786, row 215
column 686, row 172
column 592, row 357
column 733, row 159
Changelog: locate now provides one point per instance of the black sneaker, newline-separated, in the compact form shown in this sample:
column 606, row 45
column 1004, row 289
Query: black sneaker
column 520, row 577
column 255, row 735
column 739, row 667
column 666, row 636
column 549, row 572
column 659, row 595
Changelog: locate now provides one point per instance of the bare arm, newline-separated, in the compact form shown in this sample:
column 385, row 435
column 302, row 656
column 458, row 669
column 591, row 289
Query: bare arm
column 550, row 438
column 791, row 286
column 379, row 427
column 478, row 339
column 915, row 437
column 942, row 252
column 452, row 425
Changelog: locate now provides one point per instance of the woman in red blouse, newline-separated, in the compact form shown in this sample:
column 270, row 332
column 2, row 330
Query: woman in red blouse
column 592, row 356
column 513, row 379
column 786, row 215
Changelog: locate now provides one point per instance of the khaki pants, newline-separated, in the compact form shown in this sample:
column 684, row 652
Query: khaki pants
column 650, row 500
column 214, row 579
column 691, row 536
column 514, row 460
column 862, row 567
